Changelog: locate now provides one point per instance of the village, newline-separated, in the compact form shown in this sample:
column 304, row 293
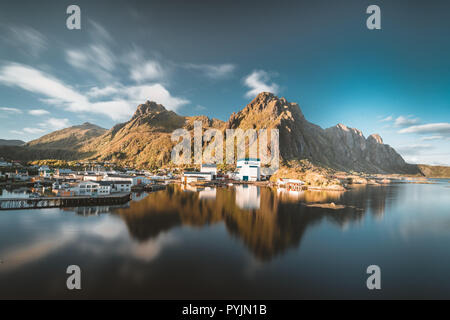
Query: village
column 102, row 179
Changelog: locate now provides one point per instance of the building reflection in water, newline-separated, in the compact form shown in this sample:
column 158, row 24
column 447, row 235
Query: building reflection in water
column 267, row 221
column 248, row 197
column 207, row 194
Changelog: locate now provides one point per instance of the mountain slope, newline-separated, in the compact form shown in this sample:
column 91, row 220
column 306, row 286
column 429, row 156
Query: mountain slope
column 72, row 138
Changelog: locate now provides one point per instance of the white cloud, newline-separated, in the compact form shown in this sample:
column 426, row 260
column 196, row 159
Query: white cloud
column 258, row 81
column 213, row 71
column 56, row 92
column 10, row 110
column 53, row 124
column 404, row 121
column 38, row 112
column 149, row 70
column 440, row 128
column 28, row 40
column 429, row 138
column 155, row 92
column 387, row 119
column 96, row 59
column 33, row 130
column 97, row 92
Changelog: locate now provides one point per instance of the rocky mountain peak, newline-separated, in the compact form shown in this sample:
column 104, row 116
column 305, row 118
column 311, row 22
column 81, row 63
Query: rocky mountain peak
column 376, row 138
column 148, row 107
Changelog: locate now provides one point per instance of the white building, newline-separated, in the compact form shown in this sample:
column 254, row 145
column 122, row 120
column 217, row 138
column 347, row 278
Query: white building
column 44, row 168
column 248, row 169
column 92, row 188
column 209, row 167
column 196, row 176
column 117, row 186
column 61, row 172
column 117, row 177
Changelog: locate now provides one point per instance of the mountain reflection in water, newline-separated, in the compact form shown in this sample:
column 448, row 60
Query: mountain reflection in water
column 268, row 221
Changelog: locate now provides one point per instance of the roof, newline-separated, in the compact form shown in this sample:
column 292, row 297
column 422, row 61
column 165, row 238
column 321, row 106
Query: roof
column 209, row 165
column 198, row 173
column 249, row 159
column 108, row 183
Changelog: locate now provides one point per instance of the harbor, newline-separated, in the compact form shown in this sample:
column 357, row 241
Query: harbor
column 60, row 202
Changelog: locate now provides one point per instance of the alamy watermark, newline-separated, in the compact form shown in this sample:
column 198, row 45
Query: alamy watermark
column 208, row 147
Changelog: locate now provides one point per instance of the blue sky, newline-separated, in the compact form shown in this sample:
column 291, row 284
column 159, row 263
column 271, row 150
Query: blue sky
column 212, row 57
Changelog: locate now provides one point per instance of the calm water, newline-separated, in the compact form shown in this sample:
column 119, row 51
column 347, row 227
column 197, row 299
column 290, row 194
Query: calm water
column 237, row 242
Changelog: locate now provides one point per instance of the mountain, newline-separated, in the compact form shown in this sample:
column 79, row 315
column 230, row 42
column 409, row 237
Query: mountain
column 145, row 140
column 72, row 138
column 338, row 147
column 4, row 142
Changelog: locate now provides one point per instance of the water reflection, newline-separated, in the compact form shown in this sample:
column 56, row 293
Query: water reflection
column 267, row 221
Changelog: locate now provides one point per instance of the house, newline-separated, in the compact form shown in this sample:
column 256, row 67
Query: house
column 290, row 184
column 43, row 169
column 91, row 188
column 117, row 186
column 92, row 177
column 19, row 175
column 249, row 169
column 209, row 167
column 117, row 177
column 62, row 172
column 196, row 176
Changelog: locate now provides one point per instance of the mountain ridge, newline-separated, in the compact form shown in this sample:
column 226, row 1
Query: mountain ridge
column 145, row 139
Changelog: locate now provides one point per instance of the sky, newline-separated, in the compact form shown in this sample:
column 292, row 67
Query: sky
column 213, row 57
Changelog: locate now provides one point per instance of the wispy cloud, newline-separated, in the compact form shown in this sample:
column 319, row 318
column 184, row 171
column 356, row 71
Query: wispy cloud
column 29, row 41
column 430, row 138
column 119, row 105
column 402, row 121
column 439, row 128
column 387, row 119
column 38, row 112
column 33, row 130
column 148, row 70
column 10, row 110
column 259, row 81
column 55, row 124
column 219, row 71
column 413, row 149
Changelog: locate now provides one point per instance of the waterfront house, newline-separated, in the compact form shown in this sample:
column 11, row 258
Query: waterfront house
column 209, row 167
column 63, row 172
column 92, row 188
column 117, row 186
column 118, row 177
column 290, row 184
column 249, row 169
column 196, row 176
column 92, row 177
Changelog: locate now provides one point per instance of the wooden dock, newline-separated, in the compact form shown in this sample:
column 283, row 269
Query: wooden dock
column 58, row 202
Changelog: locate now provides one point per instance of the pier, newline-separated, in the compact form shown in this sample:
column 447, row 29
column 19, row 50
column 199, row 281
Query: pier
column 58, row 202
